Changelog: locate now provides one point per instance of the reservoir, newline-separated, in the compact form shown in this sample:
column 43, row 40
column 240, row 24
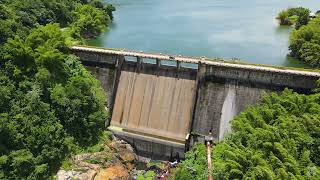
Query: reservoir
column 244, row 29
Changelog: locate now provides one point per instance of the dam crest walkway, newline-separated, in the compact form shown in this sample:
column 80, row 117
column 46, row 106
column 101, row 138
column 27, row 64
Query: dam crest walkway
column 198, row 60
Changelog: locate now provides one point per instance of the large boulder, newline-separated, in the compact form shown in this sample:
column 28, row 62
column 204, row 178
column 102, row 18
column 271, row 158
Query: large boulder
column 115, row 172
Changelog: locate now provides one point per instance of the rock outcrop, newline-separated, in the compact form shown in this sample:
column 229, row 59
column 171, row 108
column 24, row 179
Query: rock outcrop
column 115, row 161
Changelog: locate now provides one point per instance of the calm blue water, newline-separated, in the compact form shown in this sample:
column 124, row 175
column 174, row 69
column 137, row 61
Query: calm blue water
column 244, row 29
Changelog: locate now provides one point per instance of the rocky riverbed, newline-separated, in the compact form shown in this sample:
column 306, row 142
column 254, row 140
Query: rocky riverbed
column 116, row 160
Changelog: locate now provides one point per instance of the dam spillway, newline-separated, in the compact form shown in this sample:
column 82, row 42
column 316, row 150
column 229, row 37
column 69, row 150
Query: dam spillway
column 155, row 102
column 163, row 108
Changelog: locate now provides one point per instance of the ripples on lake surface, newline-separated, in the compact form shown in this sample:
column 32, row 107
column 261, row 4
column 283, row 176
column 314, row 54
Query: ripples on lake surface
column 245, row 29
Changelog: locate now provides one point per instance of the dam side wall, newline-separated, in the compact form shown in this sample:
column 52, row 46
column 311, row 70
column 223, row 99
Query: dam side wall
column 106, row 76
column 224, row 92
column 105, row 68
column 219, row 101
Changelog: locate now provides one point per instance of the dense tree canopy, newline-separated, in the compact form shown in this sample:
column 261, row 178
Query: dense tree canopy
column 305, row 39
column 18, row 17
column 279, row 139
column 48, row 101
column 88, row 21
column 49, row 104
column 305, row 43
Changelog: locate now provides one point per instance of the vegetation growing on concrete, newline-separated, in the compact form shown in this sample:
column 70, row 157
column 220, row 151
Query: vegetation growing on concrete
column 279, row 139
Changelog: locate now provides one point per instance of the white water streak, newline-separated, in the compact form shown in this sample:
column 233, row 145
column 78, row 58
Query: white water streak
column 228, row 111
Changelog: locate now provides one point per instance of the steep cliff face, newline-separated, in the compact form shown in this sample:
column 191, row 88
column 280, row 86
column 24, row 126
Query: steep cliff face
column 219, row 101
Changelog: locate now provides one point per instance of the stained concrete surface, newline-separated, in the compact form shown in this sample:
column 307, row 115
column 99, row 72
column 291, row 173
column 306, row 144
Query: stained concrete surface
column 156, row 104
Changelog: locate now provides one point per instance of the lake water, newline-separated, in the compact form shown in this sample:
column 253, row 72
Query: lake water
column 245, row 29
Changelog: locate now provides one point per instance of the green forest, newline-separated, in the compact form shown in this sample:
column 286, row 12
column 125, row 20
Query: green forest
column 305, row 43
column 50, row 106
column 305, row 38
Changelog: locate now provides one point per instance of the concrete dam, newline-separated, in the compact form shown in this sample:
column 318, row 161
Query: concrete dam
column 163, row 104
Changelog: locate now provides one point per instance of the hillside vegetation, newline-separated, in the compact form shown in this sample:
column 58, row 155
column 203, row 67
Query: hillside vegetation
column 305, row 43
column 49, row 104
column 305, row 38
column 278, row 139
column 81, row 18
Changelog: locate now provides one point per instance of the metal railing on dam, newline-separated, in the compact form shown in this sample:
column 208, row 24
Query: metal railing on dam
column 162, row 104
